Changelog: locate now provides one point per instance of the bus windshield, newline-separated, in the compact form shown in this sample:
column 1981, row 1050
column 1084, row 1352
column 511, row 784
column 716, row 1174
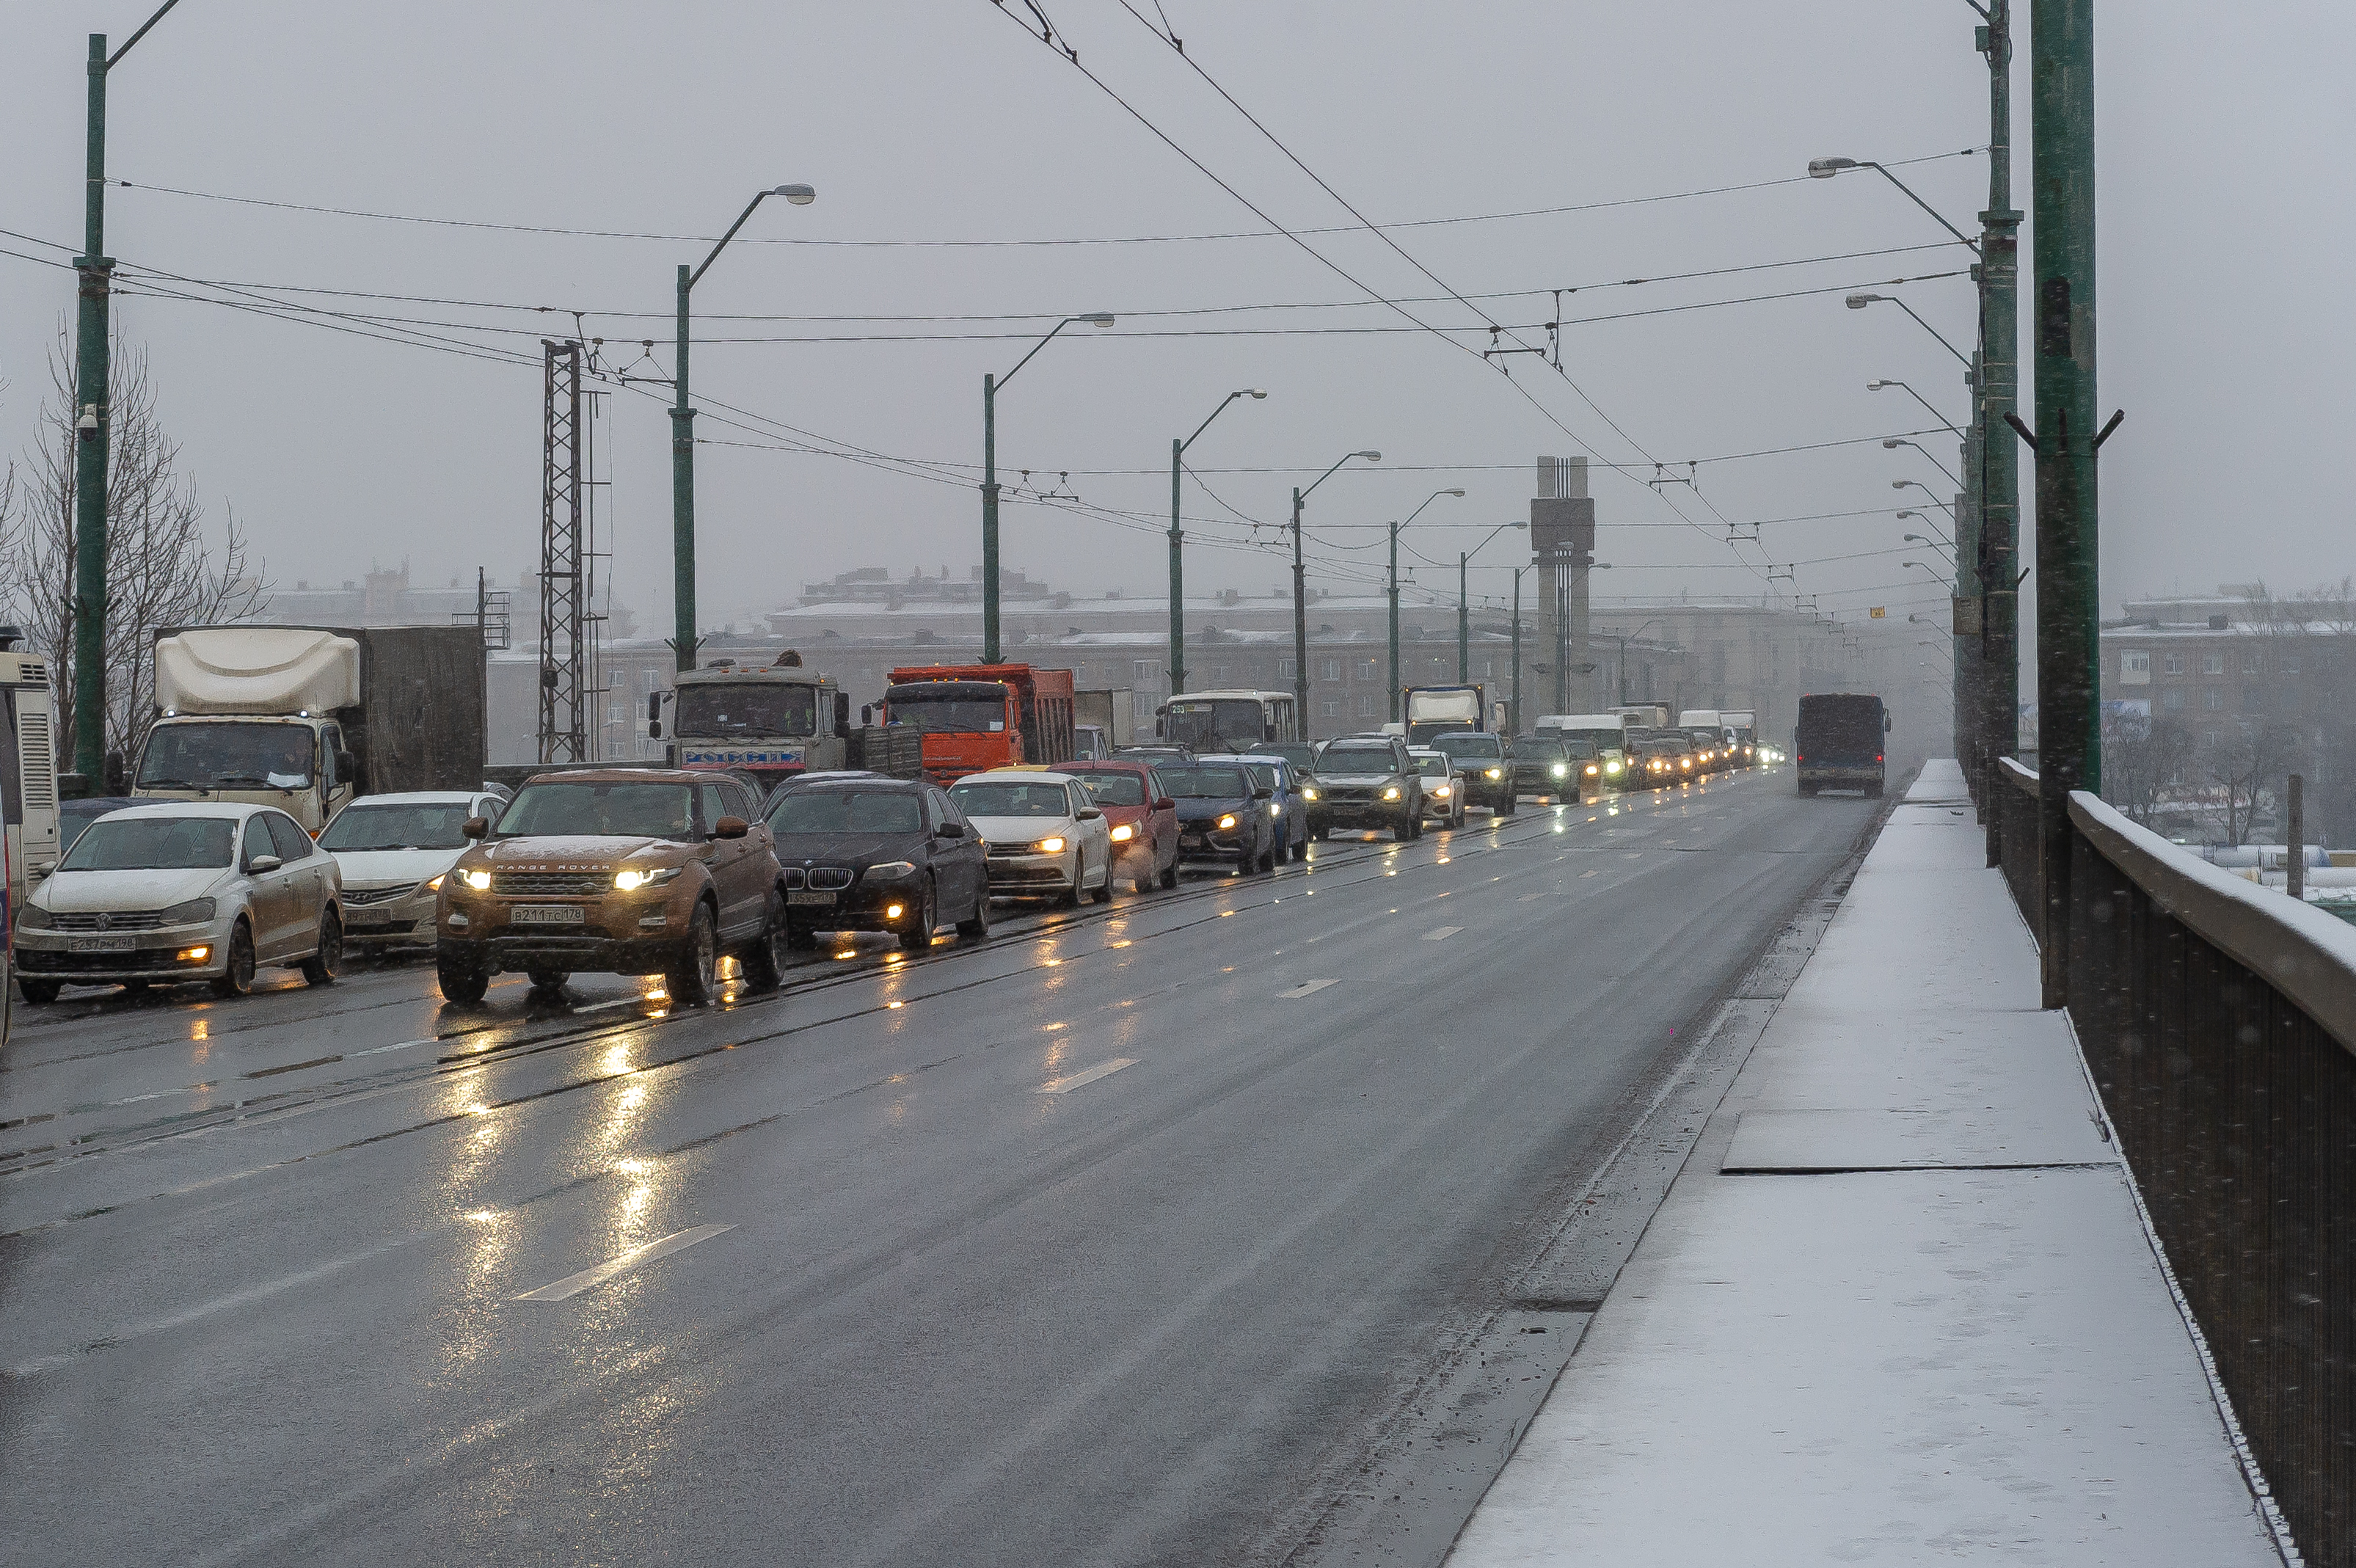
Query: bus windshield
column 1228, row 724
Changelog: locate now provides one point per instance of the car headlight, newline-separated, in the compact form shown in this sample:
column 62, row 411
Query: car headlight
column 1496, row 773
column 1228, row 821
column 1123, row 833
column 1561, row 769
column 1391, row 792
column 624, row 881
column 1591, row 767
column 1608, row 767
column 434, row 885
column 35, row 917
column 188, row 914
column 1440, row 791
column 1309, row 794
column 891, row 870
column 480, row 881
column 1276, row 810
column 1049, row 845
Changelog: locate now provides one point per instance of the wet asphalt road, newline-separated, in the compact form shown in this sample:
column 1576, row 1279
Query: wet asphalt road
column 947, row 1284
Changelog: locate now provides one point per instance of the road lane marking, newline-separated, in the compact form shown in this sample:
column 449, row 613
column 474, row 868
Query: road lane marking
column 573, row 1284
column 398, row 1045
column 1086, row 1076
column 1441, row 934
column 1590, row 872
column 1306, row 988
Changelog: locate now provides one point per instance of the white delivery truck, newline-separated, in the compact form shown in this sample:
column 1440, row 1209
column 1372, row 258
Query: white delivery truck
column 305, row 718
column 1103, row 721
column 28, row 772
column 1606, row 734
column 1698, row 718
column 1444, row 710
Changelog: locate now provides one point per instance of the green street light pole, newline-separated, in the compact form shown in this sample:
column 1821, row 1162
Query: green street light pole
column 2062, row 173
column 1300, row 592
column 1465, row 601
column 1996, row 570
column 1513, row 710
column 1177, row 544
column 990, row 385
column 92, row 409
column 683, row 443
column 1394, row 593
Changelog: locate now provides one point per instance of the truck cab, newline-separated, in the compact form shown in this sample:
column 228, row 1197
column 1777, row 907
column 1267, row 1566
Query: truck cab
column 297, row 763
column 772, row 723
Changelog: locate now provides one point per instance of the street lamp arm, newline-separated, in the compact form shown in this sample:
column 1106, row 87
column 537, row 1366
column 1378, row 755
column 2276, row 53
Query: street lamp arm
column 140, row 34
column 1918, row 397
column 1098, row 318
column 1426, row 501
column 1950, row 228
column 1198, row 429
column 1336, row 469
column 758, row 198
column 1934, row 332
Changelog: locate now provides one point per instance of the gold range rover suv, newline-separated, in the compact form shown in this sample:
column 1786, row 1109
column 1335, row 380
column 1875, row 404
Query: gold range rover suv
column 614, row 871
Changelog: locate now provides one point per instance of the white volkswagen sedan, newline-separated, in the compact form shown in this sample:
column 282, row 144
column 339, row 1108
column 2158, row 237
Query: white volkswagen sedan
column 394, row 849
column 180, row 891
column 1046, row 836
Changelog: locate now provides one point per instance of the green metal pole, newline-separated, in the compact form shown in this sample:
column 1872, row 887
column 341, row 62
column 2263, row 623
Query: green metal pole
column 1300, row 619
column 1514, row 709
column 990, row 518
column 1394, row 596
column 682, row 498
column 2069, row 739
column 1177, row 578
column 1999, row 560
column 1464, row 621
column 1963, row 669
column 92, row 269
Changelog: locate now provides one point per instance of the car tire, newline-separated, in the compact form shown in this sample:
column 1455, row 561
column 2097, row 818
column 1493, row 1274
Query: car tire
column 1318, row 831
column 39, row 992
column 917, row 934
column 800, row 937
column 1170, row 875
column 319, row 969
column 975, row 926
column 1510, row 805
column 237, row 980
column 1266, row 865
column 762, row 961
column 1103, row 894
column 693, row 974
column 460, row 976
column 1300, row 851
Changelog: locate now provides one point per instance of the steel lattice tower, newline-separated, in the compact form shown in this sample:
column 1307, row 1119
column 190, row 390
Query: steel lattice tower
column 563, row 581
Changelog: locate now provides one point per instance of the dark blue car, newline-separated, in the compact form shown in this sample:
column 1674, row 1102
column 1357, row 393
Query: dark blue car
column 1223, row 814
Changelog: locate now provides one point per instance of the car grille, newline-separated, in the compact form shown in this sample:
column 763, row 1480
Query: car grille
column 546, row 884
column 1005, row 875
column 362, row 897
column 825, row 879
column 1346, row 794
column 48, row 962
column 389, row 929
column 98, row 922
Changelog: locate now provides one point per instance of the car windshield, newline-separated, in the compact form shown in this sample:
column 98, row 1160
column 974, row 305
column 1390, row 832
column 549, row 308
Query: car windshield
column 601, row 810
column 1222, row 724
column 74, row 816
column 1539, row 750
column 1204, row 783
column 1012, row 800
column 1300, row 753
column 847, row 811
column 1596, row 740
column 1468, row 745
column 1582, row 751
column 1113, row 789
column 1432, row 766
column 1263, row 774
column 948, row 707
column 228, row 756
column 749, row 709
column 1341, row 761
column 152, row 844
column 358, row 829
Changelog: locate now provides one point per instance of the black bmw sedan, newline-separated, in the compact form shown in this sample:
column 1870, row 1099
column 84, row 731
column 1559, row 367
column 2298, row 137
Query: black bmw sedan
column 878, row 854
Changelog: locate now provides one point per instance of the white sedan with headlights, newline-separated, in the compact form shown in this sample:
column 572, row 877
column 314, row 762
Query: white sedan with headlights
column 180, row 891
column 394, row 849
column 1045, row 836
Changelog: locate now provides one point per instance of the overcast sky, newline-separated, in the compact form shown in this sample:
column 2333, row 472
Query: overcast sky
column 2224, row 204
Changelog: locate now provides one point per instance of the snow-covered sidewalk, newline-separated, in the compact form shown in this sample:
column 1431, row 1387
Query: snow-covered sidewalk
column 1899, row 1306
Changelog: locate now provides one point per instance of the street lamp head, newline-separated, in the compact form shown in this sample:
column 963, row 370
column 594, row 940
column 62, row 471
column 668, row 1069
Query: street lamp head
column 1255, row 392
column 1901, row 484
column 1452, row 492
column 799, row 195
column 1916, row 515
column 1876, row 386
column 1860, row 301
column 1825, row 169
column 1916, row 538
column 1891, row 443
column 1369, row 457
column 1099, row 318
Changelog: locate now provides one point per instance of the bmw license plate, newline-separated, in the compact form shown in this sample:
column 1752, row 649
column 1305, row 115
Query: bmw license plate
column 545, row 915
column 101, row 944
column 814, row 900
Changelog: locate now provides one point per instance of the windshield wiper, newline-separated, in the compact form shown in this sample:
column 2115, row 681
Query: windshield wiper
column 173, row 784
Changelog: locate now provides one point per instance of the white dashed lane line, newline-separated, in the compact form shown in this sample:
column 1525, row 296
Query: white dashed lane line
column 1306, row 988
column 1086, row 1076
column 1441, row 934
column 573, row 1284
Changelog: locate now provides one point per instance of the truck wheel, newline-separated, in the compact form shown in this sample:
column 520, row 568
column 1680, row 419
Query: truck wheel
column 40, row 992
column 237, row 980
column 319, row 969
column 976, row 927
column 461, row 978
column 764, row 961
column 694, row 971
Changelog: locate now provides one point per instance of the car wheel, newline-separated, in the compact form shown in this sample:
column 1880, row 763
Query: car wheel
column 461, row 978
column 1265, row 863
column 976, row 927
column 40, row 992
column 1301, row 851
column 1170, row 875
column 1318, row 831
column 695, row 969
column 800, row 937
column 319, row 969
column 917, row 934
column 1510, row 805
column 238, row 978
column 1103, row 894
column 764, row 961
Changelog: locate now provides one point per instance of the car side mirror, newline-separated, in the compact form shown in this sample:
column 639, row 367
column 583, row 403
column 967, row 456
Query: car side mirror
column 1090, row 814
column 731, row 828
column 1263, row 794
column 1165, row 804
column 950, row 831
column 477, row 828
column 256, row 864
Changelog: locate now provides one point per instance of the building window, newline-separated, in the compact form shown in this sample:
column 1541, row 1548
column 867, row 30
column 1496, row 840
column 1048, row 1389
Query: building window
column 654, row 680
column 1140, row 670
column 2173, row 665
column 1488, row 668
column 2212, row 698
column 1367, row 707
column 616, row 714
column 1333, row 670
column 2290, row 663
column 1219, row 676
column 2249, row 662
column 1370, row 670
column 2173, row 700
column 2212, row 664
column 1331, row 707
column 1284, row 669
column 2135, row 668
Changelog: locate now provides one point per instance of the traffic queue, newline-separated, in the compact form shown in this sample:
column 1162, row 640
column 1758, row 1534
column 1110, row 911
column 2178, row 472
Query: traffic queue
column 673, row 872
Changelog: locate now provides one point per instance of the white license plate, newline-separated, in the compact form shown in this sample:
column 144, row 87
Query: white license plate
column 817, row 900
column 367, row 917
column 545, row 915
column 101, row 944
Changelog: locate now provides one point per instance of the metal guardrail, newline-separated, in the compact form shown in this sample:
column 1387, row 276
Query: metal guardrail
column 2220, row 1023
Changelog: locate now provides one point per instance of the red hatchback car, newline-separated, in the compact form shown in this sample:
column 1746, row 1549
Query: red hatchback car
column 1143, row 820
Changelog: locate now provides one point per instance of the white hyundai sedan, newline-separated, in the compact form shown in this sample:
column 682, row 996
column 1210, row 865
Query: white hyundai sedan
column 180, row 891
column 1046, row 834
column 394, row 851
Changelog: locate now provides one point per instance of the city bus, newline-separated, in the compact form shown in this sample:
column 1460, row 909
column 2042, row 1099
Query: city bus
column 1227, row 721
column 28, row 793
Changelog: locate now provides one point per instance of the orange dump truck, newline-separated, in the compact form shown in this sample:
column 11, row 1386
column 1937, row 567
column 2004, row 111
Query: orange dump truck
column 978, row 717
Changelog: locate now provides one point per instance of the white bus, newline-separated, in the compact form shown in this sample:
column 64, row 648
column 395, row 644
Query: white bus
column 28, row 788
column 1227, row 721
